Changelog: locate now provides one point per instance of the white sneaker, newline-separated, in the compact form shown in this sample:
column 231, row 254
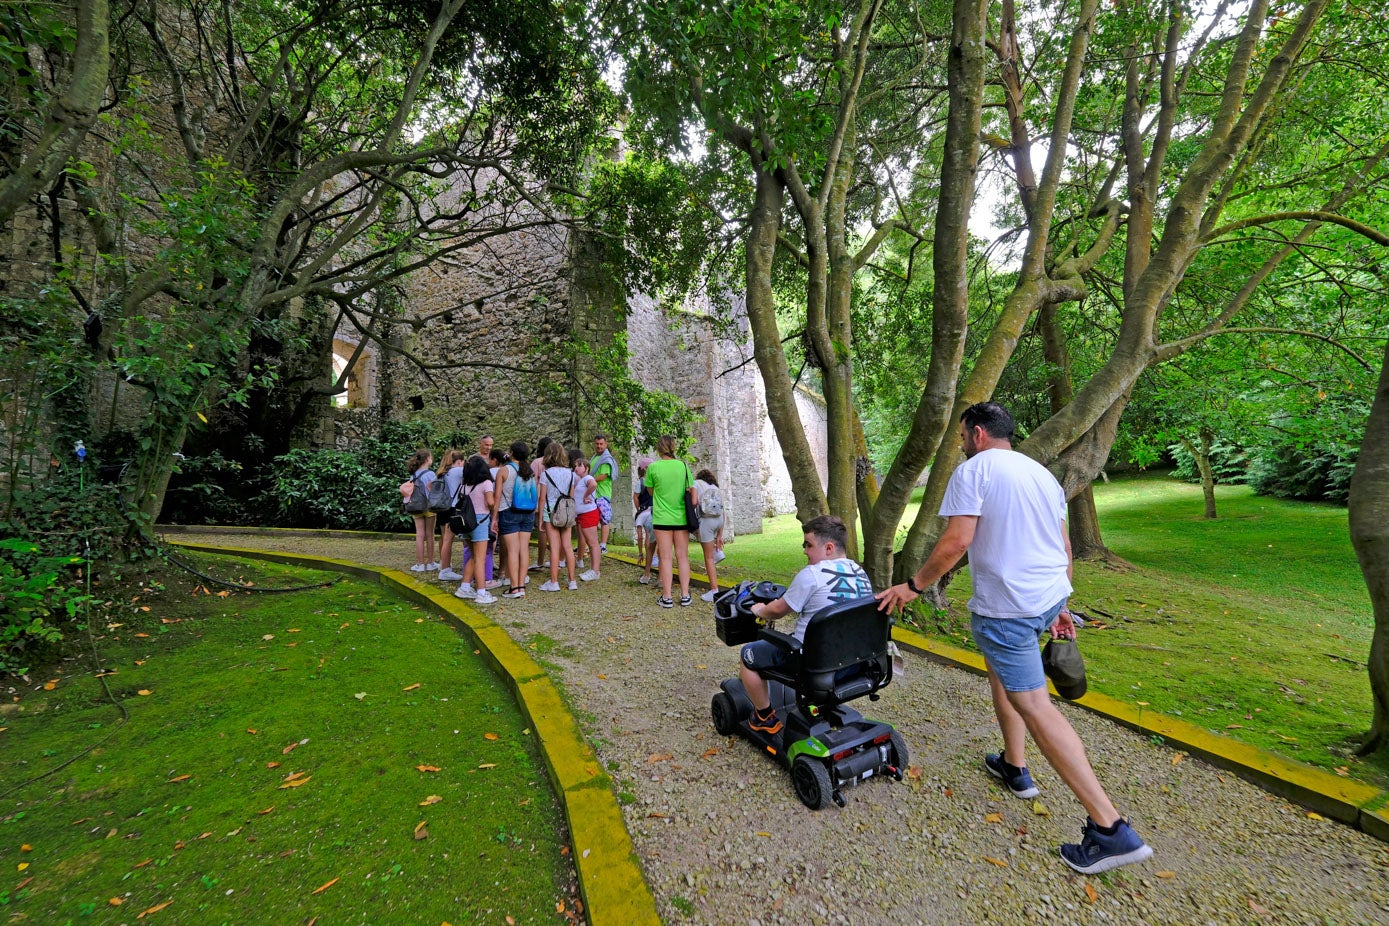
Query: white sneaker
column 720, row 556
column 550, row 587
column 431, row 567
column 466, row 592
column 573, row 586
column 448, row 575
column 485, row 597
column 418, row 567
column 655, row 561
column 589, row 576
column 496, row 583
column 709, row 595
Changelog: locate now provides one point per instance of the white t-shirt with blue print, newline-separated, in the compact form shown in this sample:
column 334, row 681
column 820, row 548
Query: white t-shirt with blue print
column 825, row 583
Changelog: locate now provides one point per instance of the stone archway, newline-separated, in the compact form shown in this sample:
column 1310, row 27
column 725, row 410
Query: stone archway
column 361, row 378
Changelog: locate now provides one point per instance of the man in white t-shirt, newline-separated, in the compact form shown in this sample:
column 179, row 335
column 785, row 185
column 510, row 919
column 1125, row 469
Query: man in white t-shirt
column 830, row 578
column 1009, row 512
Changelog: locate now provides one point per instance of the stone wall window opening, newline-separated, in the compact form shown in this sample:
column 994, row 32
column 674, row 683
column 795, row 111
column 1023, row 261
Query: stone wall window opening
column 358, row 382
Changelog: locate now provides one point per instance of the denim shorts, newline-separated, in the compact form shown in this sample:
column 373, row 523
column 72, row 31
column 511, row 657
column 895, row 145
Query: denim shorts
column 760, row 654
column 515, row 522
column 1010, row 646
column 483, row 530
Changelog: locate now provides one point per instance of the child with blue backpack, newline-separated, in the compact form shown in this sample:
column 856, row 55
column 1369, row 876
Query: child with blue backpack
column 518, row 496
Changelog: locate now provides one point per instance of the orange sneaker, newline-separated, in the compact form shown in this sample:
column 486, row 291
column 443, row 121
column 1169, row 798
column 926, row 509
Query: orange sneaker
column 768, row 723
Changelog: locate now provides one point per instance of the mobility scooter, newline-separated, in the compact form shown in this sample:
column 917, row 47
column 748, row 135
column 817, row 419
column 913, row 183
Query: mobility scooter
column 844, row 656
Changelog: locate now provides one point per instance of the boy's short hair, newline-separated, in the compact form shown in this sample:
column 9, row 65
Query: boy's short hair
column 828, row 529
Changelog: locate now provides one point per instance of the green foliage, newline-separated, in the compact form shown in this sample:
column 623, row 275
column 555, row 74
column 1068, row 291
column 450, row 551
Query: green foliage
column 1311, row 456
column 38, row 598
column 635, row 416
column 332, row 489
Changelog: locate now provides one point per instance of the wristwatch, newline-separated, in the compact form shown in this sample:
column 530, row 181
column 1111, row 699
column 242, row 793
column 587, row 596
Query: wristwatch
column 912, row 585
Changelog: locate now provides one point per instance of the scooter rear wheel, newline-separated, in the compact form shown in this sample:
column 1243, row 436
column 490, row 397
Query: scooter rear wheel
column 812, row 781
column 724, row 714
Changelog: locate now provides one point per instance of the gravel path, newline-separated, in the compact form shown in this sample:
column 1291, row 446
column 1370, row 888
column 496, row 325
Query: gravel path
column 724, row 840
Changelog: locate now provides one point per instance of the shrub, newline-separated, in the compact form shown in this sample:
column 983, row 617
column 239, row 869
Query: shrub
column 36, row 598
column 1320, row 473
column 333, row 489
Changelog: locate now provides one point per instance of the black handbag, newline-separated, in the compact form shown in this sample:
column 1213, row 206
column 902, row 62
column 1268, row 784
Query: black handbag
column 691, row 512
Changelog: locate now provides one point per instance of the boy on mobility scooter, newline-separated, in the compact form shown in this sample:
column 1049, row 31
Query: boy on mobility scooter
column 789, row 696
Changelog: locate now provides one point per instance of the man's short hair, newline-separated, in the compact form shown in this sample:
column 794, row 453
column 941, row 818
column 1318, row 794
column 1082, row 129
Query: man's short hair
column 600, row 436
column 827, row 528
column 992, row 417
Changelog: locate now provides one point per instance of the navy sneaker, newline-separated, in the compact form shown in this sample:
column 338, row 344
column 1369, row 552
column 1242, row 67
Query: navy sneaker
column 1017, row 779
column 1098, row 852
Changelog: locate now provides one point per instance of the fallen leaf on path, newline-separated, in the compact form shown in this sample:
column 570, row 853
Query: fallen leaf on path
column 1040, row 809
column 659, row 757
column 49, row 686
column 1177, row 759
column 411, row 687
column 223, row 594
column 995, row 861
column 144, row 692
column 653, row 815
column 428, row 768
column 268, row 636
column 252, row 732
column 1313, row 815
column 154, row 909
column 115, row 901
column 914, row 772
column 296, row 782
column 432, row 799
column 488, row 765
column 563, row 850
column 604, row 677
column 22, row 866
column 142, row 864
column 1166, row 874
column 261, row 813
column 320, row 890
column 1234, row 726
column 421, row 832
column 360, row 695
column 290, row 748
column 26, row 848
column 145, row 636
column 489, row 736
column 293, row 630
column 272, row 765
column 1258, row 910
column 179, row 778
column 1091, row 894
column 510, row 921
column 993, row 818
column 711, row 751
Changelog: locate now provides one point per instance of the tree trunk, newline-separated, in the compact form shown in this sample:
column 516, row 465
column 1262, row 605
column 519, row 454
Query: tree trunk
column 766, row 346
column 1203, row 463
column 70, row 115
column 1082, row 518
column 1369, row 533
column 950, row 295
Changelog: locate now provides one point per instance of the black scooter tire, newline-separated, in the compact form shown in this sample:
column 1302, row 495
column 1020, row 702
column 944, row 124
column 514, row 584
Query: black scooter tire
column 724, row 714
column 812, row 782
column 902, row 756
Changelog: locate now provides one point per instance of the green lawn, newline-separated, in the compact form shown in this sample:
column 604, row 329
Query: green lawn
column 1256, row 624
column 385, row 717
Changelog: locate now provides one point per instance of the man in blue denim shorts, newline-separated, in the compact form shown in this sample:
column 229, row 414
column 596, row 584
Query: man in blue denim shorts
column 1009, row 513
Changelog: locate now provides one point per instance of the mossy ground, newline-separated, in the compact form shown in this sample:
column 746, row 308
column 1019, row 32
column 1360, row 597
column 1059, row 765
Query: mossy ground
column 1255, row 625
column 186, row 804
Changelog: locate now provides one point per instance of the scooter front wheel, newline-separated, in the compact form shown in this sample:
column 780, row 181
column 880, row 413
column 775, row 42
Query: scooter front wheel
column 724, row 714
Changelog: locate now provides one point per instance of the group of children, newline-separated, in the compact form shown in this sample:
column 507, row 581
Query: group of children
column 502, row 497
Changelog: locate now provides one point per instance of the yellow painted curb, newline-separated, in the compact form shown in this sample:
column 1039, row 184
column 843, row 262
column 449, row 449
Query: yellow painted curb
column 1360, row 805
column 610, row 877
